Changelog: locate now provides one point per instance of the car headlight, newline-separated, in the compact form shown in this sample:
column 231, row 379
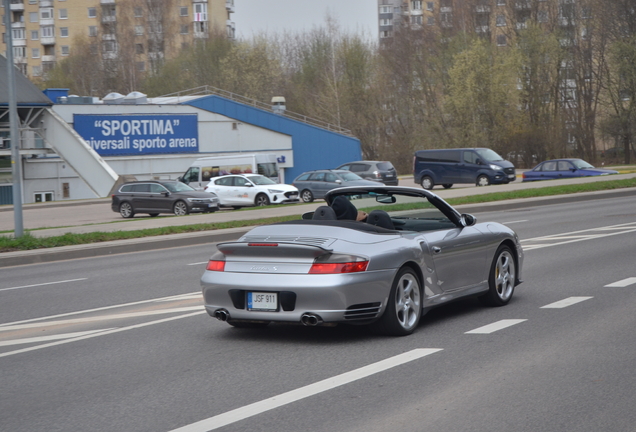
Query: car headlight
column 495, row 167
column 274, row 191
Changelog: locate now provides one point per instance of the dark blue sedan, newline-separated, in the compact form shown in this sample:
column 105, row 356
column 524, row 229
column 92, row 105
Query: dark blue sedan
column 564, row 168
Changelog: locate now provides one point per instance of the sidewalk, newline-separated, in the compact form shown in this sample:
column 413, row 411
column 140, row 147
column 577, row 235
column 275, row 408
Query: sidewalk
column 176, row 240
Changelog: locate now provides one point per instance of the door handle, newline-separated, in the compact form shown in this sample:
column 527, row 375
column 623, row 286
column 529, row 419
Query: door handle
column 436, row 249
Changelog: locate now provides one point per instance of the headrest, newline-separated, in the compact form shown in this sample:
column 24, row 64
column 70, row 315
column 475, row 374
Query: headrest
column 344, row 209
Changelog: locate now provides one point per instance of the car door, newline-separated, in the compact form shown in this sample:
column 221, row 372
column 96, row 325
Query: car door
column 222, row 187
column 459, row 255
column 549, row 171
column 244, row 191
column 565, row 169
column 192, row 177
column 141, row 197
column 160, row 198
column 469, row 167
column 317, row 184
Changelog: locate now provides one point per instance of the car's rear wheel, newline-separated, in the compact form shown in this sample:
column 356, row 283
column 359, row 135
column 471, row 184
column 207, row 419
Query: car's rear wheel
column 307, row 196
column 126, row 210
column 248, row 324
column 502, row 277
column 180, row 208
column 261, row 200
column 483, row 180
column 447, row 185
column 427, row 183
column 404, row 308
column 154, row 214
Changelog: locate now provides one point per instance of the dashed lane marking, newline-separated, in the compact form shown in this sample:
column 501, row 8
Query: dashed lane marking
column 622, row 283
column 496, row 326
column 565, row 302
column 42, row 284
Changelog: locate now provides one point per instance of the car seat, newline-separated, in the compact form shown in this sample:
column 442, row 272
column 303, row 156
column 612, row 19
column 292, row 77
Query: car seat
column 324, row 213
column 380, row 218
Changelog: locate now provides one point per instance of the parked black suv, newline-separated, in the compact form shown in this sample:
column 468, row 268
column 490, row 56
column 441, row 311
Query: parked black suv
column 379, row 171
column 164, row 196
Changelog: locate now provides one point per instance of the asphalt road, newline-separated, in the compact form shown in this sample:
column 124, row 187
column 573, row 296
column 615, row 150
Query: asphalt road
column 120, row 343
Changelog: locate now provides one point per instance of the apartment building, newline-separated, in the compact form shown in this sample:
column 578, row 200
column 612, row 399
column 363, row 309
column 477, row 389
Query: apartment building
column 45, row 31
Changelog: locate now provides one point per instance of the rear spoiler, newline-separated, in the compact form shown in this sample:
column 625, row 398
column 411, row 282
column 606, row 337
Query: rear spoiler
column 272, row 249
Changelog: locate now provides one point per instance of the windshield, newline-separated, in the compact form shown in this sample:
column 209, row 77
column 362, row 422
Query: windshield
column 581, row 164
column 267, row 169
column 488, row 155
column 177, row 187
column 260, row 180
column 349, row 176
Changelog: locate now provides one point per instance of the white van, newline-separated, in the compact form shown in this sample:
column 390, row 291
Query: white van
column 204, row 169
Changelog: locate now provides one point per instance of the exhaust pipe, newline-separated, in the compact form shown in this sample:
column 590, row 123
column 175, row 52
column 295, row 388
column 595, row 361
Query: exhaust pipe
column 310, row 319
column 222, row 315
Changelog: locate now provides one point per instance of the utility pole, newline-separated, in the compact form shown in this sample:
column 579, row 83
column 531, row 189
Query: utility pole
column 16, row 160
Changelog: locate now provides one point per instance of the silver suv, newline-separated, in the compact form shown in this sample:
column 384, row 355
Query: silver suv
column 378, row 171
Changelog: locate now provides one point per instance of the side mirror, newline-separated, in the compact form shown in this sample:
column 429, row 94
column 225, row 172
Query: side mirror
column 166, row 194
column 468, row 220
column 478, row 161
column 339, row 181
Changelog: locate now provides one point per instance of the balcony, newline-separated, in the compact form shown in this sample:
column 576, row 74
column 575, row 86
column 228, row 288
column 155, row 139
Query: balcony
column 482, row 9
column 445, row 9
column 109, row 19
column 47, row 22
column 46, row 3
column 48, row 59
column 19, row 42
column 47, row 40
column 17, row 5
column 104, row 2
column 229, row 6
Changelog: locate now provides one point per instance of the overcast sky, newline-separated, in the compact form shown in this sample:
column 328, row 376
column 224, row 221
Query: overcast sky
column 275, row 16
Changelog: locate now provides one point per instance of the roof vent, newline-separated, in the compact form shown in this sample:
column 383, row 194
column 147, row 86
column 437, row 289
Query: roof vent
column 114, row 98
column 135, row 98
column 278, row 105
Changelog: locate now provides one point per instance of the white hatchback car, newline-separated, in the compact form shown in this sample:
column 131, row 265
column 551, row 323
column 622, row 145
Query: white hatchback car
column 250, row 190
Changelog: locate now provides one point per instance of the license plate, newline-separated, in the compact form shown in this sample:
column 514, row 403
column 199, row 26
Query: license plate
column 294, row 196
column 511, row 176
column 389, row 175
column 211, row 205
column 262, row 301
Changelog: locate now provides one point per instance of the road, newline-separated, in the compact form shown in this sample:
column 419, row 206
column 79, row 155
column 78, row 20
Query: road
column 120, row 343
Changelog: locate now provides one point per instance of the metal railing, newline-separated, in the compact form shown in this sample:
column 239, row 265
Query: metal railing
column 209, row 90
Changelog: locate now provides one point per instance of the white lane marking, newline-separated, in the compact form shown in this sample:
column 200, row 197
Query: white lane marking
column 491, row 328
column 304, row 392
column 199, row 263
column 42, row 284
column 565, row 302
column 100, row 318
column 513, row 222
column 577, row 236
column 50, row 337
column 107, row 332
column 623, row 283
column 94, row 310
column 196, row 295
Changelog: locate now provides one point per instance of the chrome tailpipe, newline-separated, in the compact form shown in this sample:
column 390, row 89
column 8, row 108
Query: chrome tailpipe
column 310, row 319
column 221, row 315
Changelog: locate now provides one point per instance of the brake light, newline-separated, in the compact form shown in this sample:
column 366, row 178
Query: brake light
column 333, row 268
column 216, row 265
column 262, row 244
column 377, row 174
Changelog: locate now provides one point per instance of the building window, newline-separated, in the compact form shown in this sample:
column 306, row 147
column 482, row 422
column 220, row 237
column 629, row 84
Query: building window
column 65, row 50
column 33, row 17
column 385, row 34
column 542, row 16
column 18, row 33
column 139, row 12
column 35, row 52
column 501, row 40
column 385, row 9
column 386, row 22
column 141, row 66
column 139, row 48
column 92, row 31
column 19, row 52
column 501, row 2
column 416, row 19
column 35, row 35
column 200, row 12
column 184, row 29
column 430, row 20
column 183, row 11
column 139, row 30
column 46, row 13
column 501, row 20
column 36, row 70
column 416, row 4
column 92, row 12
column 430, row 6
column 63, row 13
column 109, row 46
column 63, row 31
column 155, row 27
column 48, row 32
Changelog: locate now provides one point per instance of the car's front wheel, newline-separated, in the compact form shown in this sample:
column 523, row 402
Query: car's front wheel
column 126, row 210
column 483, row 180
column 261, row 200
column 180, row 208
column 502, row 277
column 427, row 183
column 404, row 307
column 307, row 196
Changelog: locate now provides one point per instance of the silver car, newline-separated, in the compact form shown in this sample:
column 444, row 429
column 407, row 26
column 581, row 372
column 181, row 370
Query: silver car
column 412, row 252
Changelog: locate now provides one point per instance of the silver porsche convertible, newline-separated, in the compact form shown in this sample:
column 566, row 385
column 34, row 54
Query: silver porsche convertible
column 376, row 255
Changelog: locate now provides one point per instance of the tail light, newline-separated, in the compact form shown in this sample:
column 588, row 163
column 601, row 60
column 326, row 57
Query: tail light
column 216, row 265
column 335, row 264
column 377, row 174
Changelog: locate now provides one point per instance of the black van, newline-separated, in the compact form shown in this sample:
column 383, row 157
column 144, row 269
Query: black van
column 481, row 166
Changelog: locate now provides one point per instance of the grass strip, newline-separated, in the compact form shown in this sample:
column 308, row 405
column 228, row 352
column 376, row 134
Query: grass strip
column 28, row 241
